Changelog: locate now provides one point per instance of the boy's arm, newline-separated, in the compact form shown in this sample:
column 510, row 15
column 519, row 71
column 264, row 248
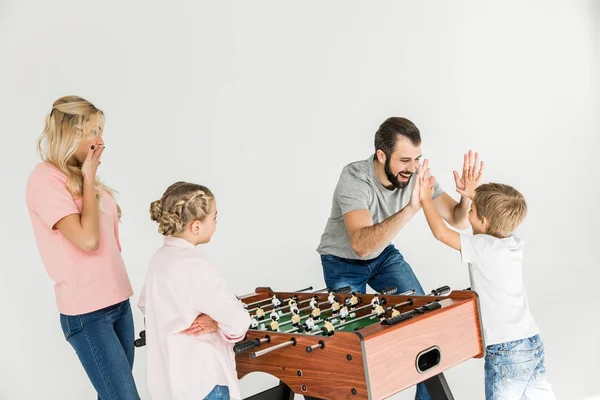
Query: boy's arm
column 438, row 227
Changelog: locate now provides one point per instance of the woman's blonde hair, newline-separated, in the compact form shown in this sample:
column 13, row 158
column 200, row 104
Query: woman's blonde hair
column 181, row 204
column 502, row 205
column 62, row 134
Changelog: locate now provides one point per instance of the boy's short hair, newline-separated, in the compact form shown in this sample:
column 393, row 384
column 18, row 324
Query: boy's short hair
column 502, row 205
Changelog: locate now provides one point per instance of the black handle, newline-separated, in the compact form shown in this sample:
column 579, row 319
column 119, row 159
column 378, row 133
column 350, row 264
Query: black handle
column 398, row 318
column 390, row 290
column 243, row 347
column 441, row 291
column 344, row 290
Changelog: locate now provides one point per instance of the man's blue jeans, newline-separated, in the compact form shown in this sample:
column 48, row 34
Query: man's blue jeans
column 103, row 341
column 387, row 270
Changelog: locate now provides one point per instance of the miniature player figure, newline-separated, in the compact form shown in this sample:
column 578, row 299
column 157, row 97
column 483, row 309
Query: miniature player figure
column 328, row 328
column 244, row 305
column 274, row 325
column 343, row 312
column 331, row 297
column 380, row 311
column 395, row 313
column 375, row 302
column 293, row 306
column 310, row 323
column 353, row 301
column 335, row 308
column 316, row 313
column 253, row 323
column 295, row 318
column 274, row 315
column 260, row 313
column 313, row 302
column 275, row 301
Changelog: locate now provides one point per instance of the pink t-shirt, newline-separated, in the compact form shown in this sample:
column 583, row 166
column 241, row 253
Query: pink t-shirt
column 84, row 281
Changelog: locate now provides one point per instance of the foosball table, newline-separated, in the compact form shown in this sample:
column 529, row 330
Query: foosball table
column 337, row 344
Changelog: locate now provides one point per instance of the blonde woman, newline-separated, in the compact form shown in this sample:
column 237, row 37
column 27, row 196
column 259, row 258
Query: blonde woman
column 75, row 222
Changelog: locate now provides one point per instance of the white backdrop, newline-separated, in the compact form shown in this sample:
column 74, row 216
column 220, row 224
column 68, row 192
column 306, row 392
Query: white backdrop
column 265, row 102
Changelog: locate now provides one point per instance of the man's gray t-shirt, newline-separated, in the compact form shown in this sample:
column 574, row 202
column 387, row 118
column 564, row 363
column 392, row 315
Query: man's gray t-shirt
column 359, row 189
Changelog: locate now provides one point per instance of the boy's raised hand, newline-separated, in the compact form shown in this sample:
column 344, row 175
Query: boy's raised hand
column 471, row 175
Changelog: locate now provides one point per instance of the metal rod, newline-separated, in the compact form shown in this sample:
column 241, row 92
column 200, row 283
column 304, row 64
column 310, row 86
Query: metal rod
column 407, row 293
column 258, row 302
column 290, row 342
column 404, row 303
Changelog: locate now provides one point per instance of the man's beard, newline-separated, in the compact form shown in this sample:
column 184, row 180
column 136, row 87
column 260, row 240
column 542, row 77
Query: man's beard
column 394, row 178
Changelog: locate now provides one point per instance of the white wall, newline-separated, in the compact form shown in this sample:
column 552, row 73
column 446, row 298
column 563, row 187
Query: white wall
column 265, row 102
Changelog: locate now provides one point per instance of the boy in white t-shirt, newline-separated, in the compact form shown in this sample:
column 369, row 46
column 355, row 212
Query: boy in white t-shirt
column 514, row 355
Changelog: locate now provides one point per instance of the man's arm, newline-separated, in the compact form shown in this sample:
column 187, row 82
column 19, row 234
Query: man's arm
column 453, row 212
column 365, row 237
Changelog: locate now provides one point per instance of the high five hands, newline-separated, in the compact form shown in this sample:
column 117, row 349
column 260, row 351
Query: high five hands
column 466, row 183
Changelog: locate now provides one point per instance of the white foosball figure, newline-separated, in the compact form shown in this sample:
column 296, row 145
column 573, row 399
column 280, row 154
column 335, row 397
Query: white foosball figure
column 274, row 315
column 310, row 323
column 375, row 302
column 275, row 301
column 343, row 313
column 313, row 302
column 254, row 323
column 331, row 298
column 293, row 306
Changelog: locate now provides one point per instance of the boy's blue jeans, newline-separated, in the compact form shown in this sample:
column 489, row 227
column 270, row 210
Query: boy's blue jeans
column 515, row 370
column 103, row 341
column 387, row 270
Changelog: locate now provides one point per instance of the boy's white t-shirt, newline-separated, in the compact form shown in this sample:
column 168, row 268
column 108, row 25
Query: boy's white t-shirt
column 496, row 273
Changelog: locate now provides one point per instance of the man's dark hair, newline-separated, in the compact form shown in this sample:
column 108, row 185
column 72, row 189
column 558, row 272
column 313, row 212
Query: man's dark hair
column 388, row 132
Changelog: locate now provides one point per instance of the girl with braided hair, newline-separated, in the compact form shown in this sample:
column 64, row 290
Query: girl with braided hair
column 182, row 283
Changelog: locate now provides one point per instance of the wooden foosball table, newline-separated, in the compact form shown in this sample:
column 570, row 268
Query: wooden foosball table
column 340, row 345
